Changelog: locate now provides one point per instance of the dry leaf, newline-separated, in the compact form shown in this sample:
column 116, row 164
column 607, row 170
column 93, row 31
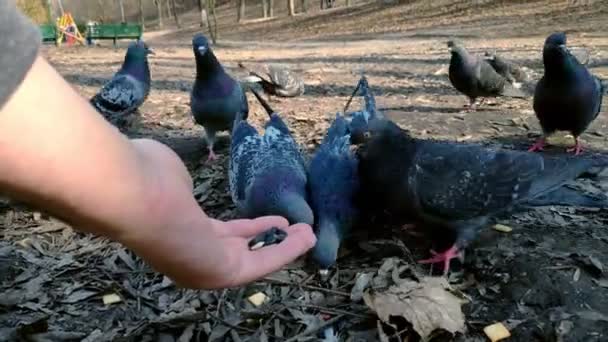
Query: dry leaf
column 502, row 228
column 426, row 304
column 257, row 299
column 361, row 283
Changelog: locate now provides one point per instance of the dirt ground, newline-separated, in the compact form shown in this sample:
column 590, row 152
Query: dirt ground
column 545, row 280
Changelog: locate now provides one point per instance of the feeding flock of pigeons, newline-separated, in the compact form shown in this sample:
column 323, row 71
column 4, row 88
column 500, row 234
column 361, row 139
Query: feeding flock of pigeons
column 368, row 164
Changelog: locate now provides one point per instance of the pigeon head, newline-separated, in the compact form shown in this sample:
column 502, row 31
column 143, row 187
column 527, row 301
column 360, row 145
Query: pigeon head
column 456, row 48
column 207, row 64
column 136, row 61
column 358, row 128
column 200, row 43
column 325, row 251
column 557, row 58
column 281, row 193
column 489, row 55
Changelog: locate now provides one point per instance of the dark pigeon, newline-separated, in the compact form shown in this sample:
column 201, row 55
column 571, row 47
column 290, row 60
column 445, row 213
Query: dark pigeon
column 267, row 173
column 475, row 77
column 514, row 73
column 455, row 188
column 276, row 80
column 216, row 98
column 129, row 87
column 358, row 122
column 333, row 192
column 568, row 97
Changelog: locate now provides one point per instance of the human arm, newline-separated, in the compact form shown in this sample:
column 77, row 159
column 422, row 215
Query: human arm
column 57, row 153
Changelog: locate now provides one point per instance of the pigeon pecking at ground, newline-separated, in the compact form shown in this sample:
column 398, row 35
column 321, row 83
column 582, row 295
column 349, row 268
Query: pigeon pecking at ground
column 455, row 188
column 129, row 87
column 514, row 73
column 267, row 173
column 568, row 97
column 358, row 122
column 475, row 77
column 332, row 193
column 216, row 98
column 275, row 80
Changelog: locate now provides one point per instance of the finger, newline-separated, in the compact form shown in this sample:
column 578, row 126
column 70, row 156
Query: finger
column 249, row 228
column 269, row 259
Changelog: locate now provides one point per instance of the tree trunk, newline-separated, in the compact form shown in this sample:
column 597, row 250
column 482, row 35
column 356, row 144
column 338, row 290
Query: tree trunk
column 49, row 11
column 203, row 12
column 121, row 4
column 168, row 2
column 142, row 17
column 240, row 14
column 265, row 8
column 303, row 3
column 212, row 26
column 292, row 10
column 159, row 7
column 347, row 3
column 175, row 14
column 271, row 8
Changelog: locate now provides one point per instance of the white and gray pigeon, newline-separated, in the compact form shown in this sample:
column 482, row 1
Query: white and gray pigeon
column 275, row 80
column 267, row 173
column 358, row 121
column 475, row 77
column 216, row 98
column 129, row 87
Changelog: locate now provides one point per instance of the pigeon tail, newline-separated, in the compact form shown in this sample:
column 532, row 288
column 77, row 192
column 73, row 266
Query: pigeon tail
column 565, row 196
column 264, row 104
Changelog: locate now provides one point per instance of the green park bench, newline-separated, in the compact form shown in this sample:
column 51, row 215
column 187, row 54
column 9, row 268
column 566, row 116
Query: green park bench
column 48, row 32
column 114, row 31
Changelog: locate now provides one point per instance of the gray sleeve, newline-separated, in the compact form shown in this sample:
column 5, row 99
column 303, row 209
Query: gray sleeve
column 19, row 43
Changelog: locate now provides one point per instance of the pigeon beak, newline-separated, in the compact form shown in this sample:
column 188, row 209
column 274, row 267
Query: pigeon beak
column 202, row 50
column 563, row 47
column 151, row 51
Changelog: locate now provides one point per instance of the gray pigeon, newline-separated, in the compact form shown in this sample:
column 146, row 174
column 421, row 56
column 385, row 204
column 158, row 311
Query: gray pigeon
column 455, row 188
column 333, row 193
column 216, row 98
column 358, row 122
column 475, row 77
column 276, row 80
column 512, row 72
column 129, row 87
column 267, row 173
column 568, row 97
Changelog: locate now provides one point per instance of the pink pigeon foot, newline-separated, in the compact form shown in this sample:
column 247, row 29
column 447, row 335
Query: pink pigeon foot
column 577, row 149
column 212, row 156
column 539, row 145
column 444, row 257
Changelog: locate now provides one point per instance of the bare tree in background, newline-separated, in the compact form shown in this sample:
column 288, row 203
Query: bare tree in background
column 303, row 3
column 203, row 12
column 212, row 27
column 271, row 8
column 292, row 8
column 142, row 17
column 265, row 8
column 121, row 4
column 174, row 9
column 240, row 11
column 159, row 7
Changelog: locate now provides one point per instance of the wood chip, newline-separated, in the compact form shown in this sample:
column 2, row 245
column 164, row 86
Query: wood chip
column 257, row 299
column 496, row 332
column 502, row 228
column 111, row 298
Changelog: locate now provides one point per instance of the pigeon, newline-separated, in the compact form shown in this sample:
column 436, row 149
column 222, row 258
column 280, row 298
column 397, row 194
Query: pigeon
column 276, row 80
column 128, row 88
column 267, row 173
column 475, row 77
column 507, row 69
column 568, row 97
column 216, row 98
column 455, row 188
column 332, row 193
column 358, row 122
